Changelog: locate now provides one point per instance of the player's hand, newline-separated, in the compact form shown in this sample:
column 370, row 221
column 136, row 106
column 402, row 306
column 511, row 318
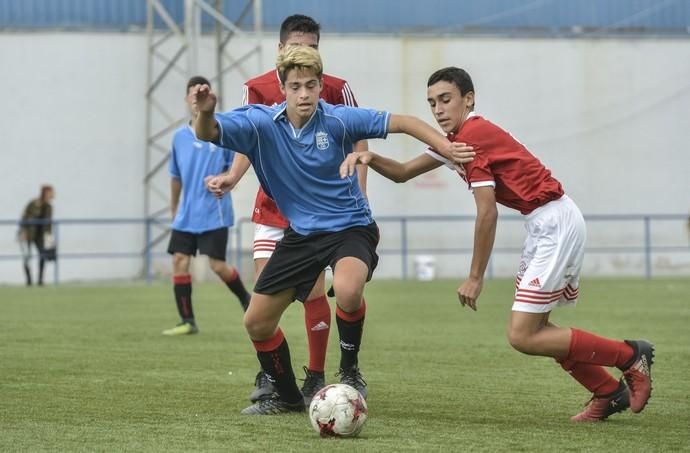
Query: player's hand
column 219, row 185
column 458, row 154
column 203, row 99
column 349, row 165
column 469, row 291
column 461, row 153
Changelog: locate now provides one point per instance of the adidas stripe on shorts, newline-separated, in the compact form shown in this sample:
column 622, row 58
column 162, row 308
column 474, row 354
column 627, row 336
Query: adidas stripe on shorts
column 549, row 273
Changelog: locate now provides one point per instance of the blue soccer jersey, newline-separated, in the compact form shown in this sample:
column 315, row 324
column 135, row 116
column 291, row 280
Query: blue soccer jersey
column 191, row 160
column 299, row 169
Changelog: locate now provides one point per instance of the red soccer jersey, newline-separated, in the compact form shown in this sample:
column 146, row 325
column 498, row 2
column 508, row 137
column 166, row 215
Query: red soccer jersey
column 265, row 89
column 521, row 181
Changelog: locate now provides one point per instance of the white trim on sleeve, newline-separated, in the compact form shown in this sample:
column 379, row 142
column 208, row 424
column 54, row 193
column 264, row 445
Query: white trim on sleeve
column 220, row 132
column 440, row 158
column 476, row 184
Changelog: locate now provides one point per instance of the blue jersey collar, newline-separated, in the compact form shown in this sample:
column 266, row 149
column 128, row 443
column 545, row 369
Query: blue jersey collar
column 282, row 108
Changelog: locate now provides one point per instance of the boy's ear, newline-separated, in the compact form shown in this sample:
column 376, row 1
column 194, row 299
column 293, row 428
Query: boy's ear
column 470, row 98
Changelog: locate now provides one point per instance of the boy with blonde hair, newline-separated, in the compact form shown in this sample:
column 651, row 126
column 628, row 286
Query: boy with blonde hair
column 296, row 149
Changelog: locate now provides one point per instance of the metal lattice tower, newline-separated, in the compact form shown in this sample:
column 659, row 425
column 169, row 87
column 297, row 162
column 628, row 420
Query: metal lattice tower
column 174, row 50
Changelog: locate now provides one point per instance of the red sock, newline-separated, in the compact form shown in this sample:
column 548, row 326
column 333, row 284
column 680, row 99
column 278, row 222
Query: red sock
column 317, row 319
column 586, row 347
column 592, row 377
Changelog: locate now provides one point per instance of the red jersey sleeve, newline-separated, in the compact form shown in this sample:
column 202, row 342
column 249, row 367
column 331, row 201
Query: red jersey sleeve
column 251, row 96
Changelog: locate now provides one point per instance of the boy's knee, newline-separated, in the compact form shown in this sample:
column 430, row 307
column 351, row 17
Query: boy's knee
column 258, row 328
column 348, row 299
column 519, row 341
column 217, row 266
column 180, row 262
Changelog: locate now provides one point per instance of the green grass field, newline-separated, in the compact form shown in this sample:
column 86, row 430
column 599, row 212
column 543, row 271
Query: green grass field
column 86, row 369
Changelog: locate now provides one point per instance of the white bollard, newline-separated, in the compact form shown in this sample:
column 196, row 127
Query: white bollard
column 425, row 267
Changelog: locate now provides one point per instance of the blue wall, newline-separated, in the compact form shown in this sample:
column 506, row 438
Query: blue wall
column 381, row 16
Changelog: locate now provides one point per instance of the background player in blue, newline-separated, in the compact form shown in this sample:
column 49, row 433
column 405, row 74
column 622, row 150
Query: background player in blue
column 200, row 220
column 296, row 149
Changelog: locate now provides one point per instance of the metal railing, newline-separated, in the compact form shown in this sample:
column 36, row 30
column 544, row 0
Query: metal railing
column 406, row 250
column 155, row 232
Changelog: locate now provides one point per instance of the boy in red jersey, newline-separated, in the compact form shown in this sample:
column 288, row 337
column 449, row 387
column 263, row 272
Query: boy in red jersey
column 504, row 171
column 270, row 223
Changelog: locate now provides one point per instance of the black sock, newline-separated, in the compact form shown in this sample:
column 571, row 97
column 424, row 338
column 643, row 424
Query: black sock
column 27, row 272
column 237, row 287
column 350, row 339
column 278, row 366
column 41, row 266
column 183, row 297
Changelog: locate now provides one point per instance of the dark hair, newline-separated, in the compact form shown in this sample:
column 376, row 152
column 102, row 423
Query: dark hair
column 299, row 23
column 44, row 191
column 197, row 80
column 459, row 77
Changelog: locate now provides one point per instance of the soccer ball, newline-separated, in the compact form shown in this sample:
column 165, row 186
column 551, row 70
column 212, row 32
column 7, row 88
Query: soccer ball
column 338, row 410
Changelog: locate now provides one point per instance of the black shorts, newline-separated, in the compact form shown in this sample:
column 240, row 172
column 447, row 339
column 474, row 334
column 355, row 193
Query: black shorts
column 212, row 243
column 298, row 260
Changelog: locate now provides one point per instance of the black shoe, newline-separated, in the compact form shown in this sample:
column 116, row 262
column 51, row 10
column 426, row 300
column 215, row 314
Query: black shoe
column 273, row 405
column 264, row 387
column 313, row 382
column 599, row 408
column 353, row 378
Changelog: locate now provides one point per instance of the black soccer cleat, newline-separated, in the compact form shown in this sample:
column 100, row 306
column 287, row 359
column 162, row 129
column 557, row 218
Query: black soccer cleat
column 273, row 405
column 264, row 387
column 601, row 407
column 353, row 378
column 313, row 382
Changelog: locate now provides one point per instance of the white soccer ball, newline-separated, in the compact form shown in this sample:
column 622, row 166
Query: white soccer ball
column 338, row 410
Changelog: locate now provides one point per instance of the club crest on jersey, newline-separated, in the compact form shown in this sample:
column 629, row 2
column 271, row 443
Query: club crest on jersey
column 322, row 140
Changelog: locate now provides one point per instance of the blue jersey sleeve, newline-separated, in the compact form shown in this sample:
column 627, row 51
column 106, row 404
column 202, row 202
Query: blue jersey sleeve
column 228, row 157
column 173, row 167
column 361, row 123
column 238, row 131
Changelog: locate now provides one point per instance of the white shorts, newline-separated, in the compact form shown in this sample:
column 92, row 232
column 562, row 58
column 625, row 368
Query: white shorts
column 549, row 272
column 265, row 239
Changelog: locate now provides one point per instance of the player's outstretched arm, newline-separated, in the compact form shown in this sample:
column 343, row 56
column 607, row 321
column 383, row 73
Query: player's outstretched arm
column 484, row 234
column 203, row 106
column 389, row 168
column 362, row 170
column 459, row 153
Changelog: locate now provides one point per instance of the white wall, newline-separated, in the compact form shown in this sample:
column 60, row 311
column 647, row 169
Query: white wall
column 610, row 117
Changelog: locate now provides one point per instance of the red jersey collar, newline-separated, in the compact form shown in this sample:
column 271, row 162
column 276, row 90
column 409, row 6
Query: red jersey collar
column 451, row 135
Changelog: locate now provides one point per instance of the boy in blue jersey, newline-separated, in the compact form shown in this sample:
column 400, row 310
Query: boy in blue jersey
column 200, row 220
column 296, row 149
